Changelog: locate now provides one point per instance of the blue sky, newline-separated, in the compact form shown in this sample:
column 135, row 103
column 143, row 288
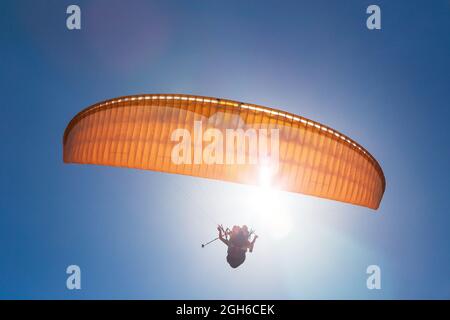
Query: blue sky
column 137, row 234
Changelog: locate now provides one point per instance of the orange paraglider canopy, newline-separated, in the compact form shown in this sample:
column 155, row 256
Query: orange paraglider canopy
column 164, row 133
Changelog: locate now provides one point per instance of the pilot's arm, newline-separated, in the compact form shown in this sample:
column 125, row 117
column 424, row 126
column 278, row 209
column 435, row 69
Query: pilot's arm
column 250, row 247
column 221, row 236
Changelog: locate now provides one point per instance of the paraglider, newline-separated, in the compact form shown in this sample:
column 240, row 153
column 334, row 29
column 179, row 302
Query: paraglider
column 238, row 242
column 313, row 159
column 225, row 140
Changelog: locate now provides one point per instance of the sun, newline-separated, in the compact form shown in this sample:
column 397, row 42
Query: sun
column 271, row 212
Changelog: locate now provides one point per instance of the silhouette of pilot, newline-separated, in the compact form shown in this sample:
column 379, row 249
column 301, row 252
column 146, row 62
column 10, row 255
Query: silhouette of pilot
column 238, row 242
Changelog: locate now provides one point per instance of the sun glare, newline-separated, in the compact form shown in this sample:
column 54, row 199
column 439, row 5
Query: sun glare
column 271, row 213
